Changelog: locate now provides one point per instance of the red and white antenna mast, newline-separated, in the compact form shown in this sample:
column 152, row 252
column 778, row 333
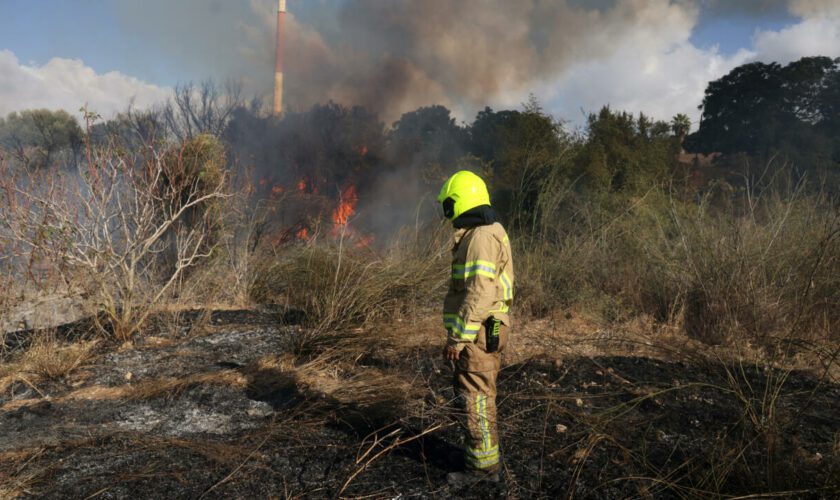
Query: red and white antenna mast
column 278, row 59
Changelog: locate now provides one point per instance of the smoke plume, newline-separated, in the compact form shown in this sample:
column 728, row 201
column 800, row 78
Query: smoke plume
column 398, row 55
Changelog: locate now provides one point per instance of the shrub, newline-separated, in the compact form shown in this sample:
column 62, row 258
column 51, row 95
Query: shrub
column 106, row 227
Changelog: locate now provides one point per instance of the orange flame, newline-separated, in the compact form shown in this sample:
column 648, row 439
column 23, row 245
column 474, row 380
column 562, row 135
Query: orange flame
column 303, row 234
column 346, row 207
column 301, row 185
column 364, row 241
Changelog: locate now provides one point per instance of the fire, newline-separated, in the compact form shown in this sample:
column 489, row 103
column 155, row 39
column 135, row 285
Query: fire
column 340, row 216
column 363, row 150
column 346, row 208
column 364, row 241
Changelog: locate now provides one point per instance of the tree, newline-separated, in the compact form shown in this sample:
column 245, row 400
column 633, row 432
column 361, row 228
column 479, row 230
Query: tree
column 201, row 109
column 426, row 137
column 768, row 110
column 132, row 129
column 680, row 125
column 623, row 153
column 521, row 147
column 757, row 107
column 34, row 137
column 111, row 224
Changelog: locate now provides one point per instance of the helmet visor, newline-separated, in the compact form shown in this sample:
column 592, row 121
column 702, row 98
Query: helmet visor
column 448, row 206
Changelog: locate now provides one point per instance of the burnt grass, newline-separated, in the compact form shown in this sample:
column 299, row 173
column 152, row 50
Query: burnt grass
column 591, row 427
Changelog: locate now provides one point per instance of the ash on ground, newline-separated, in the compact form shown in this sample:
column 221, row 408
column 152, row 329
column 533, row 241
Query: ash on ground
column 185, row 414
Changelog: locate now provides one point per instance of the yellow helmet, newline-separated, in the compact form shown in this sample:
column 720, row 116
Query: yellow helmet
column 466, row 191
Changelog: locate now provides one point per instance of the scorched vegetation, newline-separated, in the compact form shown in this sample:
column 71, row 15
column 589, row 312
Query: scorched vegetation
column 203, row 300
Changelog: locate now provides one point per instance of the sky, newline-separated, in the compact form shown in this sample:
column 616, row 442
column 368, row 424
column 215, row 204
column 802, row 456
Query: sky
column 654, row 56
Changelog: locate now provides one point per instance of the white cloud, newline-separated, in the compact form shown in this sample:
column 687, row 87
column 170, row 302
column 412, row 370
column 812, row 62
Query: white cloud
column 69, row 84
column 817, row 34
column 660, row 84
column 653, row 68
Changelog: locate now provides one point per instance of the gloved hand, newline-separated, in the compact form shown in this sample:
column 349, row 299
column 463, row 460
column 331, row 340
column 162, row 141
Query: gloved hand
column 451, row 353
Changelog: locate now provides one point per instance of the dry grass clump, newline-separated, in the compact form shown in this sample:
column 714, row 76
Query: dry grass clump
column 338, row 286
column 334, row 379
column 770, row 275
column 766, row 274
column 46, row 359
column 16, row 478
column 172, row 386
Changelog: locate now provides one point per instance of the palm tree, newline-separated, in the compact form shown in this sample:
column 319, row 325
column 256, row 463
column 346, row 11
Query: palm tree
column 680, row 125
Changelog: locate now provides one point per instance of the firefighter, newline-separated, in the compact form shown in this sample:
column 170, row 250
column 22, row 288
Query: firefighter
column 476, row 315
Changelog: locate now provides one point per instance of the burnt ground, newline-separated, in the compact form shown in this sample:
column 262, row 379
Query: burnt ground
column 187, row 414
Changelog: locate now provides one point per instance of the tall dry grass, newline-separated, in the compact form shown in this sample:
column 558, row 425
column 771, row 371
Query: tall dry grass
column 340, row 285
column 769, row 274
column 759, row 274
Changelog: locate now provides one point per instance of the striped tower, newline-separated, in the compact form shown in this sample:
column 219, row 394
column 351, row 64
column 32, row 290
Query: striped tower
column 278, row 60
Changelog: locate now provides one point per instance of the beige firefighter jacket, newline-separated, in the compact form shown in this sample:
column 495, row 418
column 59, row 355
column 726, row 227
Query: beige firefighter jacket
column 481, row 284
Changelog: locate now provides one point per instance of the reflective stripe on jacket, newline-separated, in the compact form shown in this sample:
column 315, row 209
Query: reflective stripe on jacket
column 481, row 284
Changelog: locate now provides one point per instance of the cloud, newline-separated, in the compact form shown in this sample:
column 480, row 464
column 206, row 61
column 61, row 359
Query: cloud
column 660, row 83
column 650, row 66
column 69, row 84
column 655, row 68
column 817, row 33
column 815, row 8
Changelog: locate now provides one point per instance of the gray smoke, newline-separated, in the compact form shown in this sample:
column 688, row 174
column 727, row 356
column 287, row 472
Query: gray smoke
column 726, row 8
column 394, row 56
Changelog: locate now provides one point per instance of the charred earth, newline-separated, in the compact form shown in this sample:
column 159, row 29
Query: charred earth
column 249, row 404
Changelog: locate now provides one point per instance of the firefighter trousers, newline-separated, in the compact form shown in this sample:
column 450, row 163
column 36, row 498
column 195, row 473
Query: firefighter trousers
column 475, row 385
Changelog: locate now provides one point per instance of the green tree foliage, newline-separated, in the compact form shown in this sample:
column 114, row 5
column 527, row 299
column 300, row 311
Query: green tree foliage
column 765, row 109
column 36, row 136
column 194, row 167
column 624, row 153
column 680, row 125
column 521, row 147
column 428, row 138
